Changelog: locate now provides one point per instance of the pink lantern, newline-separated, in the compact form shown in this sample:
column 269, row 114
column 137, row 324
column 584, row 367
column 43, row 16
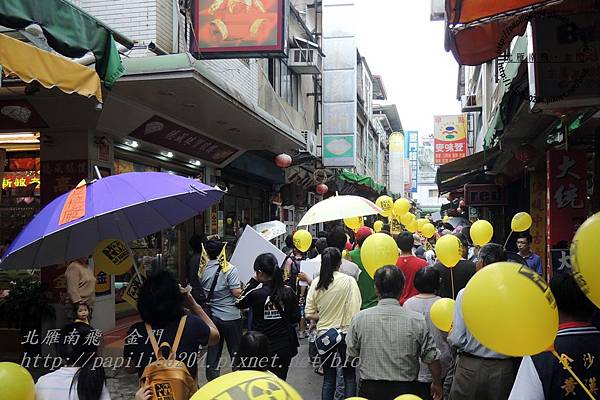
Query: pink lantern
column 322, row 188
column 283, row 160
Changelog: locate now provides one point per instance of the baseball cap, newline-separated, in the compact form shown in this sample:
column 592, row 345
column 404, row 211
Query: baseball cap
column 362, row 233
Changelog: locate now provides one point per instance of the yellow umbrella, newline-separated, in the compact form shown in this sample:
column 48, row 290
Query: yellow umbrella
column 339, row 207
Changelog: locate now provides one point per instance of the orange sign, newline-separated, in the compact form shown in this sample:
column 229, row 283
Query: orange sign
column 74, row 207
column 450, row 138
column 239, row 26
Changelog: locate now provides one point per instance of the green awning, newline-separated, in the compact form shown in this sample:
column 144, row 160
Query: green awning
column 69, row 30
column 363, row 180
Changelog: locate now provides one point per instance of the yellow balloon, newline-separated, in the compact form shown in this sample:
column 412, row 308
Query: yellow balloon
column 302, row 240
column 402, row 206
column 354, row 222
column 481, row 232
column 113, row 257
column 229, row 221
column 247, row 385
column 412, row 227
column 407, row 218
column 408, row 397
column 378, row 250
column 510, row 309
column 448, row 250
column 441, row 313
column 377, row 226
column 16, row 382
column 421, row 223
column 585, row 260
column 428, row 230
column 445, row 219
column 521, row 222
column 356, row 398
column 386, row 203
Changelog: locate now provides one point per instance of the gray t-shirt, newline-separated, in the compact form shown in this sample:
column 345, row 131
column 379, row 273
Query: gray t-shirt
column 422, row 306
column 222, row 302
column 348, row 267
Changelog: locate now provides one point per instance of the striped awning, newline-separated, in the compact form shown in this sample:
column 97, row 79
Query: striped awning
column 30, row 63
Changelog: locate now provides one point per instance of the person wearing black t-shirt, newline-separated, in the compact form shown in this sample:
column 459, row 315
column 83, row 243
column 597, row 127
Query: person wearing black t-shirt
column 454, row 281
column 161, row 305
column 275, row 311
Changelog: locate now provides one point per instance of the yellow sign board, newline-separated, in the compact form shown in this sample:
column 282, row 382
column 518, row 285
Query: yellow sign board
column 113, row 257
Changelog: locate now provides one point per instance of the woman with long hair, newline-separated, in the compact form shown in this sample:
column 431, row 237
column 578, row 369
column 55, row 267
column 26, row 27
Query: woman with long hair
column 333, row 299
column 82, row 376
column 274, row 310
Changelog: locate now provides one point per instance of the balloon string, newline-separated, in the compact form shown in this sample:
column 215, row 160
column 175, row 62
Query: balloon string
column 565, row 363
column 452, row 281
column 509, row 235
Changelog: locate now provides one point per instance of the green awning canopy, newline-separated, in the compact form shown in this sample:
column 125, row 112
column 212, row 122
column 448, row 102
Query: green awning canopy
column 69, row 30
column 363, row 180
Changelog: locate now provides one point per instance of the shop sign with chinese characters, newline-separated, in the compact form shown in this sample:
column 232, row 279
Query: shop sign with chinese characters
column 450, row 138
column 537, row 209
column 566, row 195
column 60, row 176
column 15, row 180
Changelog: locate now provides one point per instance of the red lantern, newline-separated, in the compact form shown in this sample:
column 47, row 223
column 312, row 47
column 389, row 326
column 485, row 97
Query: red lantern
column 322, row 188
column 525, row 154
column 283, row 160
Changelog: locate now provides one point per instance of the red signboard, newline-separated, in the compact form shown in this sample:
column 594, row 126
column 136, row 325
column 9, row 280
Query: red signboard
column 450, row 138
column 238, row 28
column 172, row 136
column 566, row 195
column 61, row 176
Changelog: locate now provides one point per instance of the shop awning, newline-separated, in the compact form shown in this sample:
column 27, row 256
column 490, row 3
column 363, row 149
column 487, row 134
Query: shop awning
column 479, row 31
column 363, row 180
column 32, row 64
column 456, row 174
column 70, row 31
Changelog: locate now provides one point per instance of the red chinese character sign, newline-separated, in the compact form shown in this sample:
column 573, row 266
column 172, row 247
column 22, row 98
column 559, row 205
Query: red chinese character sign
column 450, row 138
column 239, row 28
column 567, row 194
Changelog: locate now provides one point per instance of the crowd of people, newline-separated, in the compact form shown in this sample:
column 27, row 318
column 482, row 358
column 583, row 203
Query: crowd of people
column 372, row 335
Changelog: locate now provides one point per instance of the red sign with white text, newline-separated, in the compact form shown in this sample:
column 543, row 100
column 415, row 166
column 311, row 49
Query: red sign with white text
column 566, row 196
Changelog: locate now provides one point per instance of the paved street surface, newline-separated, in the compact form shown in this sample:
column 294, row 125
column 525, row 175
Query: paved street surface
column 122, row 386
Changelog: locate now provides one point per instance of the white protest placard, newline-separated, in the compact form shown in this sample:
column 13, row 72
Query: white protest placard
column 250, row 245
column 310, row 268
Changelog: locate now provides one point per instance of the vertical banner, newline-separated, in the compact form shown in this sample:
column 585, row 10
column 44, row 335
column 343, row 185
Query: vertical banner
column 537, row 209
column 412, row 153
column 566, row 196
column 450, row 138
column 396, row 166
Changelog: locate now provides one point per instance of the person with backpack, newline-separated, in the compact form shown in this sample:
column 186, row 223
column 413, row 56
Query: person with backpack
column 291, row 270
column 173, row 366
column 222, row 286
column 275, row 312
column 81, row 378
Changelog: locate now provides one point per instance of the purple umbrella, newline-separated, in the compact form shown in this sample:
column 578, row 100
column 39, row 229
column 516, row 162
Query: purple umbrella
column 126, row 207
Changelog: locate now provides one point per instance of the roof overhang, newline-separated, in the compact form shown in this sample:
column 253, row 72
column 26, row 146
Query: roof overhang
column 456, row 174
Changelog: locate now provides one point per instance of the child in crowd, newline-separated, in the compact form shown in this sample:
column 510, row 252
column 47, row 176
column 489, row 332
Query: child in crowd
column 82, row 313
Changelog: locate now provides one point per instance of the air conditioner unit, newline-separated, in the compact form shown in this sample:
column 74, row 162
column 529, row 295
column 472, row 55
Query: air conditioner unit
column 305, row 61
column 311, row 142
column 469, row 103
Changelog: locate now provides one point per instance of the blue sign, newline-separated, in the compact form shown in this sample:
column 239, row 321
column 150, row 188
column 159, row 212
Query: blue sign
column 411, row 149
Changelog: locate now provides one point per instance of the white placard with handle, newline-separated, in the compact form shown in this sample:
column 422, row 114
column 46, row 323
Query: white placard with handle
column 250, row 245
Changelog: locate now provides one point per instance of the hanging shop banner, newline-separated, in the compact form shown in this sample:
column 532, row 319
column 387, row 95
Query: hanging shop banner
column 236, row 29
column 338, row 150
column 170, row 135
column 566, row 195
column 397, row 172
column 103, row 282
column 21, row 179
column 537, row 209
column 560, row 260
column 450, row 138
